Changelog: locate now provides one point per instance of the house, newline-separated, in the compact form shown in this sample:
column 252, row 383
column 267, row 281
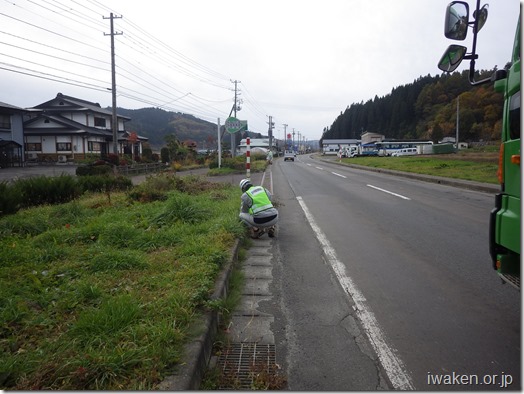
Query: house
column 11, row 135
column 67, row 128
column 369, row 137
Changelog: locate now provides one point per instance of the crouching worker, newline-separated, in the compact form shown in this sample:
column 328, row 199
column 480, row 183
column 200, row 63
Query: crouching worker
column 257, row 210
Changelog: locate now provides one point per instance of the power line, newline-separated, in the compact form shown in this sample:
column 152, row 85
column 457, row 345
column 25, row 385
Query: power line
column 153, row 88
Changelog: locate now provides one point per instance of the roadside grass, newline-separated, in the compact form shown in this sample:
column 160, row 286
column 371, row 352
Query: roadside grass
column 479, row 166
column 238, row 165
column 101, row 295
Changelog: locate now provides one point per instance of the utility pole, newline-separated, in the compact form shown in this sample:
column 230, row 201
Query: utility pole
column 285, row 136
column 293, row 142
column 270, row 132
column 235, row 107
column 114, row 120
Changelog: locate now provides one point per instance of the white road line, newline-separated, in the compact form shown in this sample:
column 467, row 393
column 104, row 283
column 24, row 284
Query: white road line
column 342, row 176
column 320, row 168
column 387, row 191
column 393, row 366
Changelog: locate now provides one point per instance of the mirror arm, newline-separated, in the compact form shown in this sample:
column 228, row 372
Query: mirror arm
column 473, row 54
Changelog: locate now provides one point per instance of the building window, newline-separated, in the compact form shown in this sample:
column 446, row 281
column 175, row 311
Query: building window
column 5, row 121
column 33, row 147
column 63, row 146
column 100, row 122
column 93, row 146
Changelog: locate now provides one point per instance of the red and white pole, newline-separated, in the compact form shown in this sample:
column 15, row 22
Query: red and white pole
column 248, row 158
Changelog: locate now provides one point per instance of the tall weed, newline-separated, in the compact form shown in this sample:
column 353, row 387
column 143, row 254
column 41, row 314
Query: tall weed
column 180, row 207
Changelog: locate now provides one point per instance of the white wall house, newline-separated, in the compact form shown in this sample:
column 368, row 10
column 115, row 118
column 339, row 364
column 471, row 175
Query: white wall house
column 66, row 128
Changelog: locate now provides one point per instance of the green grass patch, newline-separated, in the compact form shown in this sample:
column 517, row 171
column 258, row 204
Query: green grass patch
column 100, row 294
column 479, row 168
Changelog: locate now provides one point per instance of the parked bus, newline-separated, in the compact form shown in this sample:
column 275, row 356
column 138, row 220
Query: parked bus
column 386, row 148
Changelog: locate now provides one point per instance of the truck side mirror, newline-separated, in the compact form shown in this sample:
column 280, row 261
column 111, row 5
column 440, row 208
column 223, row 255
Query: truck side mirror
column 481, row 16
column 452, row 58
column 456, row 21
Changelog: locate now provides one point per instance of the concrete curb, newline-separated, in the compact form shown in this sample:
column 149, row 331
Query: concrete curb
column 471, row 185
column 197, row 353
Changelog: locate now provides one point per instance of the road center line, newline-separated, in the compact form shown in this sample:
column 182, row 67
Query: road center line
column 393, row 366
column 320, row 168
column 342, row 176
column 387, row 191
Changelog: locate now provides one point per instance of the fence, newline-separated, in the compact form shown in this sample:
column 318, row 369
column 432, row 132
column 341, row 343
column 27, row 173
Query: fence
column 136, row 169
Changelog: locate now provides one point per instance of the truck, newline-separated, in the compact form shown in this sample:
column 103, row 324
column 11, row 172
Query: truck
column 504, row 219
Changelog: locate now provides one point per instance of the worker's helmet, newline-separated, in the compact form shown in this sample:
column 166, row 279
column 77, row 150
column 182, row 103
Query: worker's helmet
column 245, row 184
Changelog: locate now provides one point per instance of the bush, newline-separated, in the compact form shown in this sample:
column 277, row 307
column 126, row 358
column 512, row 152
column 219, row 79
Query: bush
column 154, row 188
column 234, row 163
column 104, row 183
column 113, row 159
column 95, row 169
column 164, row 155
column 9, row 199
column 46, row 190
column 42, row 190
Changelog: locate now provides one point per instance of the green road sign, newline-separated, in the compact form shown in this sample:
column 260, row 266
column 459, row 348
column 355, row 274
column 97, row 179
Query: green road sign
column 233, row 125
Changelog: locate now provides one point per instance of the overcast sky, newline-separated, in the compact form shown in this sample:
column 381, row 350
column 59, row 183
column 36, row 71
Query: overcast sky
column 300, row 61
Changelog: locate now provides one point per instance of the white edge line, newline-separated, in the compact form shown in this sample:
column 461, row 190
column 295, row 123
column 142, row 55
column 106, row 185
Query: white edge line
column 393, row 366
column 387, row 191
column 271, row 181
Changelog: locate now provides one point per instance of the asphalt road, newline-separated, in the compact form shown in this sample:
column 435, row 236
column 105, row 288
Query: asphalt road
column 377, row 267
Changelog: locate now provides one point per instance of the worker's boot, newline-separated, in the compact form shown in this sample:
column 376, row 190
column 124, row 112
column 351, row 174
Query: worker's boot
column 255, row 232
column 271, row 231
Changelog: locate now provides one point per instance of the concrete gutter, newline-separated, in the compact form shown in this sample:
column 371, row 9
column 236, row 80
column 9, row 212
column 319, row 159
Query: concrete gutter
column 470, row 185
column 197, row 353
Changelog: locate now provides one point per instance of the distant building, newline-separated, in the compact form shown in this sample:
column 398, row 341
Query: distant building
column 256, row 144
column 368, row 138
column 11, row 135
column 66, row 128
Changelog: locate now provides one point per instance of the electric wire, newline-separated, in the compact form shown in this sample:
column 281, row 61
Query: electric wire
column 157, row 91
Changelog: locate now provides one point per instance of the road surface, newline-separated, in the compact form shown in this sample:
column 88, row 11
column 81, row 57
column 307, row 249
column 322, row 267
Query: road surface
column 385, row 280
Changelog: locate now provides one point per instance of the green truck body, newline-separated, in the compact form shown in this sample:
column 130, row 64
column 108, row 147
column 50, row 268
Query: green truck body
column 505, row 223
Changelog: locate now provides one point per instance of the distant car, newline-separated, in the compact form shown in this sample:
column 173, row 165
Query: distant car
column 289, row 155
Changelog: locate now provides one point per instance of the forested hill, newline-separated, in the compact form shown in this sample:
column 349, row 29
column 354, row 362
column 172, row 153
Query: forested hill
column 156, row 124
column 426, row 109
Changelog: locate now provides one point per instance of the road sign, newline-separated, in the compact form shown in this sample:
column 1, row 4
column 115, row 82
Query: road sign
column 234, row 125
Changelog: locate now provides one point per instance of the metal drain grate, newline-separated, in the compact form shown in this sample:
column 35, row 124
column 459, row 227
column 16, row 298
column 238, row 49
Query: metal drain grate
column 245, row 365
